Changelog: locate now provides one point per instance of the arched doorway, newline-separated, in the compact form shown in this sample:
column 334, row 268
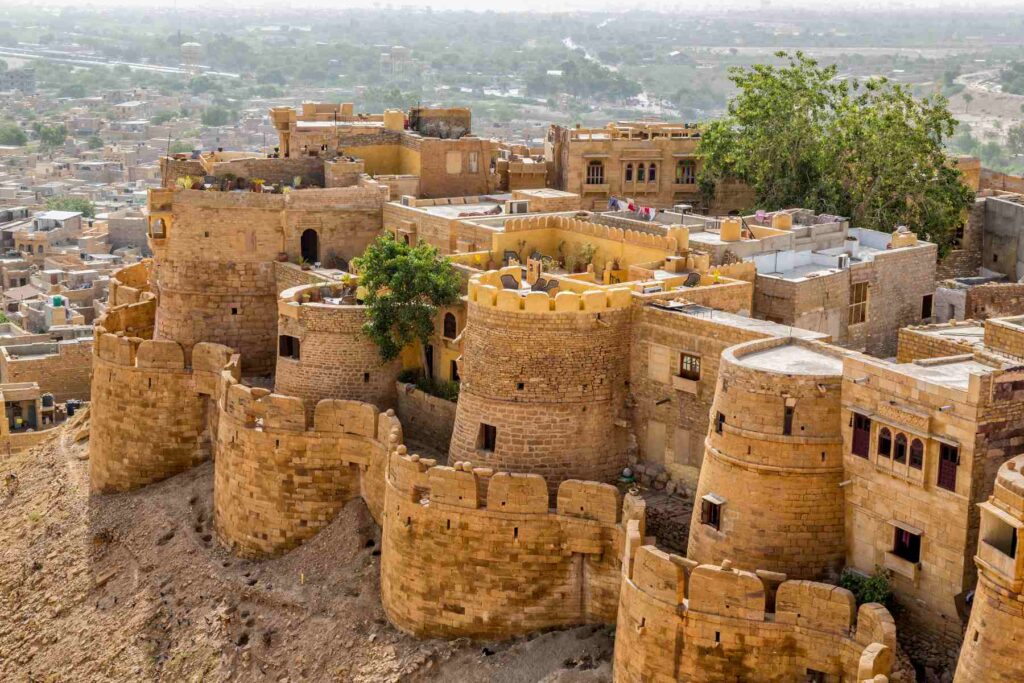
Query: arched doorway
column 310, row 246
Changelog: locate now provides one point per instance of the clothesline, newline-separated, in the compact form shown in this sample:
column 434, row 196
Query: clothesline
column 646, row 213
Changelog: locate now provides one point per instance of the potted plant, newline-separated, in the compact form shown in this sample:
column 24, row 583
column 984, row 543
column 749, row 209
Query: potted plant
column 257, row 184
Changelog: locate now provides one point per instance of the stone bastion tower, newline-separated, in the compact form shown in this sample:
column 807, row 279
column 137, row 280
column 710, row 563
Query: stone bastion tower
column 991, row 653
column 768, row 495
column 542, row 378
column 215, row 254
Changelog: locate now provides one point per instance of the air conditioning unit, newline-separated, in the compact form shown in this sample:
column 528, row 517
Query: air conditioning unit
column 517, row 206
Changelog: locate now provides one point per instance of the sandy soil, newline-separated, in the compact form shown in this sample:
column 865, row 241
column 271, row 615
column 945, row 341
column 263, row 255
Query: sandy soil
column 134, row 587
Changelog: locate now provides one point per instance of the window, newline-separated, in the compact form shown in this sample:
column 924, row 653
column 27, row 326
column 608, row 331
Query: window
column 288, row 347
column 640, row 173
column 450, row 326
column 157, row 228
column 652, row 173
column 907, row 545
column 711, row 511
column 474, row 162
column 629, row 173
column 719, row 422
column 858, row 303
column 861, row 435
column 899, row 453
column 884, row 442
column 916, row 454
column 949, row 457
column 787, row 420
column 453, row 371
column 999, row 535
column 453, row 163
column 595, row 173
column 487, row 437
column 686, row 172
column 689, row 366
column 926, row 306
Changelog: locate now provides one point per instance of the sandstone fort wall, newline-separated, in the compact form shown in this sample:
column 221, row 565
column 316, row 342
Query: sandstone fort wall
column 470, row 552
column 679, row 621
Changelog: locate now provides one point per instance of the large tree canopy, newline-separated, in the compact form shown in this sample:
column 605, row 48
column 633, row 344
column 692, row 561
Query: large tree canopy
column 867, row 150
column 404, row 288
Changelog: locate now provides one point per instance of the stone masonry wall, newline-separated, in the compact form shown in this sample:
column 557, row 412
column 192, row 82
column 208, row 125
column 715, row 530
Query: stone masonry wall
column 67, row 373
column 471, row 553
column 427, row 419
column 678, row 621
column 915, row 343
column 783, row 507
column 278, row 478
column 336, row 359
column 549, row 381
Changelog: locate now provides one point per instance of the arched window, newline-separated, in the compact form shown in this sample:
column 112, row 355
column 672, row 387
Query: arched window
column 629, row 173
column 450, row 326
column 916, row 454
column 595, row 173
column 900, row 451
column 640, row 173
column 884, row 443
column 652, row 173
column 686, row 172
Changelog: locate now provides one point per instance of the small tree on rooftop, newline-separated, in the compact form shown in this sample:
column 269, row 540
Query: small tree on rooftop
column 405, row 287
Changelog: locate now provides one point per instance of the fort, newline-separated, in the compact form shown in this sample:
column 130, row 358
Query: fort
column 599, row 356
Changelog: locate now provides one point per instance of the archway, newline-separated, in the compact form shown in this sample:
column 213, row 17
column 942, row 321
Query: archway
column 310, row 246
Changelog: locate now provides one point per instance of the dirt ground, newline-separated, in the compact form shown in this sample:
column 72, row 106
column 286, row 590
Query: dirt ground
column 134, row 587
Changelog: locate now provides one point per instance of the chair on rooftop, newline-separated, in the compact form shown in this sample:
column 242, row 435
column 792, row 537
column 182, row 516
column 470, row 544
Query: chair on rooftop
column 552, row 286
column 692, row 280
column 510, row 257
column 540, row 285
column 509, row 282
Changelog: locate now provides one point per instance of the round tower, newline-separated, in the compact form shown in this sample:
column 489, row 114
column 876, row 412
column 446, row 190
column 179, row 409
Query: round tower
column 768, row 495
column 541, row 379
column 323, row 352
column 991, row 652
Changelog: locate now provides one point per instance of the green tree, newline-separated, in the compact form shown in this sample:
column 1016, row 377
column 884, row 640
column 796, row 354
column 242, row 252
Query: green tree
column 94, row 142
column 405, row 286
column 870, row 151
column 72, row 204
column 161, row 117
column 216, row 116
column 968, row 98
column 51, row 135
column 179, row 147
column 11, row 134
column 1015, row 139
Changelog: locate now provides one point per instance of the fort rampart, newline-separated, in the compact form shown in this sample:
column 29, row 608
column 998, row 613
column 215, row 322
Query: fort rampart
column 472, row 552
column 680, row 621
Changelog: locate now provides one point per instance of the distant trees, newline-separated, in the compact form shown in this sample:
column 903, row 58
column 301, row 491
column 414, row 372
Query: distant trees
column 72, row 204
column 217, row 116
column 867, row 150
column 1015, row 139
column 11, row 134
column 51, row 135
column 1012, row 78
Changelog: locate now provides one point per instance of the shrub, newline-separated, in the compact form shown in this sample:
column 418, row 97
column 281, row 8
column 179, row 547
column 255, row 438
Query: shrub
column 874, row 588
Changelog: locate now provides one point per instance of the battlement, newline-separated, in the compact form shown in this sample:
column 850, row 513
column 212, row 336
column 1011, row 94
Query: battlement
column 677, row 618
column 454, row 535
column 487, row 289
column 481, row 488
column 675, row 239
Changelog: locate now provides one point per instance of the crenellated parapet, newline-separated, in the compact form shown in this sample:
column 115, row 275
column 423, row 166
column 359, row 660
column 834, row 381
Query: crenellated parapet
column 680, row 621
column 671, row 242
column 477, row 553
column 280, row 476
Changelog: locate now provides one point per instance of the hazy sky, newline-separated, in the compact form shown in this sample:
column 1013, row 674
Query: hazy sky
column 563, row 5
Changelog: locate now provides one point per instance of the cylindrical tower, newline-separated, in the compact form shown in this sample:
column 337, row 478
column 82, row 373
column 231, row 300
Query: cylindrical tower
column 323, row 352
column 542, row 377
column 991, row 652
column 768, row 495
column 214, row 273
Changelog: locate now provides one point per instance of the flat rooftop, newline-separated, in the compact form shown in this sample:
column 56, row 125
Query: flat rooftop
column 765, row 327
column 954, row 374
column 793, row 359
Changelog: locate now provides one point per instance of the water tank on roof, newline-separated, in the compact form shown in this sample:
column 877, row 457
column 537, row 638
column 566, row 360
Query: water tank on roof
column 47, row 400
